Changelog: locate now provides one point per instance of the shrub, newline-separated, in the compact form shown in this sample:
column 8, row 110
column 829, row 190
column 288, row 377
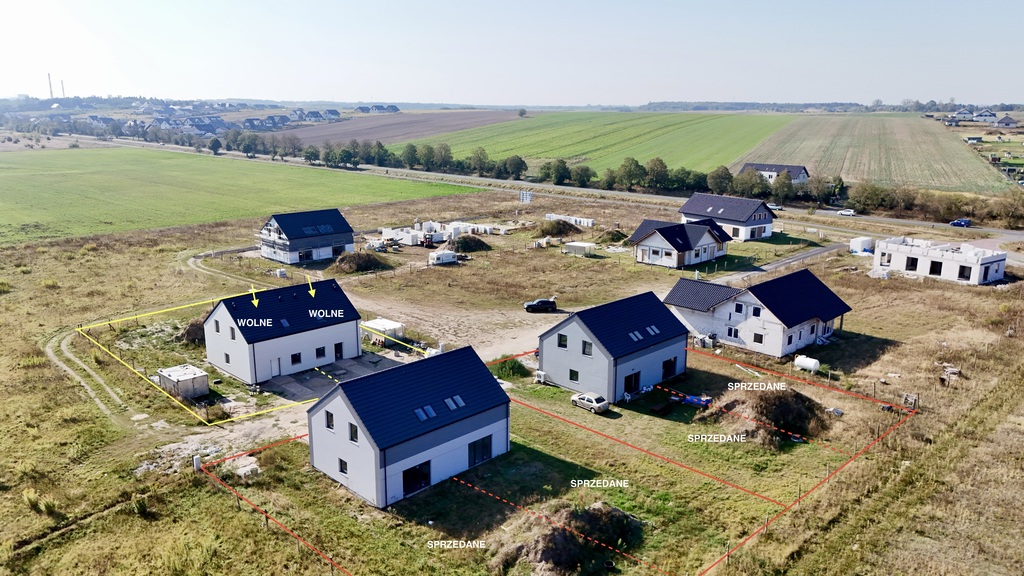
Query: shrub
column 49, row 507
column 99, row 357
column 5, row 287
column 140, row 506
column 24, row 269
column 50, row 284
column 33, row 361
column 31, row 497
column 27, row 470
column 509, row 369
column 74, row 144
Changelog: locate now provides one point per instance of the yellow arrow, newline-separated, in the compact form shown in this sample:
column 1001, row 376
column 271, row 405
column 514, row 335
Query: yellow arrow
column 312, row 291
column 255, row 302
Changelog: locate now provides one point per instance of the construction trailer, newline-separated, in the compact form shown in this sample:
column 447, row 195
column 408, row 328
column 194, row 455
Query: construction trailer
column 381, row 331
column 441, row 257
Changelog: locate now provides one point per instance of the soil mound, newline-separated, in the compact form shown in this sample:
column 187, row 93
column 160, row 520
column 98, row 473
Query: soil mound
column 556, row 228
column 611, row 237
column 787, row 410
column 554, row 551
column 352, row 262
column 468, row 243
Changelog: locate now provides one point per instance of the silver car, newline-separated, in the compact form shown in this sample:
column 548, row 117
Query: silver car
column 590, row 401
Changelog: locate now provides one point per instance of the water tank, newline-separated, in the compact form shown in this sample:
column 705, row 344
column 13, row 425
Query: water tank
column 807, row 363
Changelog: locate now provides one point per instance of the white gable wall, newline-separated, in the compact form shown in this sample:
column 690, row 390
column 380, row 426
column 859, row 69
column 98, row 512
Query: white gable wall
column 327, row 446
column 595, row 372
column 657, row 251
column 741, row 232
column 233, row 357
column 648, row 363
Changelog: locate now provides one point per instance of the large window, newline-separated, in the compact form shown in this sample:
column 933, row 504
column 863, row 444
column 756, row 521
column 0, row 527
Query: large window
column 321, row 352
column 574, row 375
column 732, row 332
column 755, row 311
column 936, row 268
column 296, row 358
column 563, row 341
column 631, row 383
column 353, row 432
column 758, row 338
column 739, row 308
column 480, row 451
column 329, row 419
column 588, row 348
column 965, row 273
column 911, row 264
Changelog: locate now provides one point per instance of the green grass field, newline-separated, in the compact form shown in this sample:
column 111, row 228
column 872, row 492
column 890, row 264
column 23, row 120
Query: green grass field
column 602, row 139
column 60, row 193
column 885, row 149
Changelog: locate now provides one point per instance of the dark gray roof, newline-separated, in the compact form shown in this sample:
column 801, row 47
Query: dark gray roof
column 386, row 402
column 685, row 237
column 291, row 310
column 702, row 205
column 699, row 295
column 794, row 171
column 310, row 224
column 798, row 297
column 629, row 325
column 646, row 227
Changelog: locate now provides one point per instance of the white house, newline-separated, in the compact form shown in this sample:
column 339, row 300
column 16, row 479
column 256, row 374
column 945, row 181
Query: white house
column 986, row 116
column 961, row 263
column 306, row 236
column 742, row 218
column 1005, row 122
column 777, row 317
column 286, row 330
column 797, row 174
column 614, row 349
column 962, row 114
column 675, row 245
column 391, row 434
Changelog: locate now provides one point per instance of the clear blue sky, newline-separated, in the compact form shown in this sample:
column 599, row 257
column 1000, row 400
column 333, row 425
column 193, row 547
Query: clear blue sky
column 553, row 52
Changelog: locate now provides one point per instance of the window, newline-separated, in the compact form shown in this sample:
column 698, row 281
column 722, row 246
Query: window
column 353, row 432
column 696, row 253
column 227, row 358
column 574, row 375
column 296, row 358
column 935, row 269
column 789, row 340
column 321, row 352
column 814, row 327
column 739, row 308
column 480, row 451
column 758, row 338
column 965, row 273
column 668, row 253
column 631, row 383
column 329, row 419
column 755, row 311
column 216, row 326
column 911, row 264
column 232, row 332
column 732, row 332
column 342, row 466
column 588, row 348
column 563, row 341
column 655, row 252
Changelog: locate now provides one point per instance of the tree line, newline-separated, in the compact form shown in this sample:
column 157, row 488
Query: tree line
column 905, row 201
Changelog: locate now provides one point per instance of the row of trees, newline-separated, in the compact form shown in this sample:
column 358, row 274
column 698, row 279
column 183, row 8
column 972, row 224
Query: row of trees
column 753, row 184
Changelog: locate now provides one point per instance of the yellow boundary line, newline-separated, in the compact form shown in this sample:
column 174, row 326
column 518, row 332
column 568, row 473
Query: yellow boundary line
column 164, row 392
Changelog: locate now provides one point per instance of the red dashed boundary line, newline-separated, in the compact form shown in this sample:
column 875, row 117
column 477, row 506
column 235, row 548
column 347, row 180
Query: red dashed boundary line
column 765, row 424
column 562, row 526
column 270, row 518
column 652, row 454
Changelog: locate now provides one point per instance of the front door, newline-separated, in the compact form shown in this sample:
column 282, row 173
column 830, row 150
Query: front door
column 339, row 350
column 275, row 367
column 415, row 479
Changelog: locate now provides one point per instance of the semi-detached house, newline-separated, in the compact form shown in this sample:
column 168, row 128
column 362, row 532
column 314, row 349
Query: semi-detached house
column 287, row 330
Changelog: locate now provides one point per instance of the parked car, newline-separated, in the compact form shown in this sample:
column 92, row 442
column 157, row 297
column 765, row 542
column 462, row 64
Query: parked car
column 775, row 207
column 847, row 212
column 541, row 305
column 961, row 223
column 590, row 401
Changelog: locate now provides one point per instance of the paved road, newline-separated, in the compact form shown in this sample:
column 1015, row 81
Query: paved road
column 780, row 263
